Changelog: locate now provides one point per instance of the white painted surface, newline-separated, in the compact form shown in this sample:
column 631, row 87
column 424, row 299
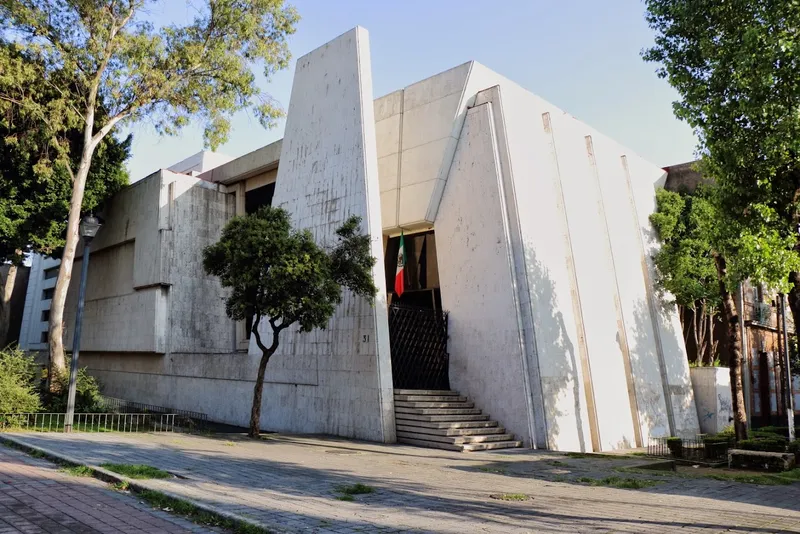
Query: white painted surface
column 712, row 393
column 328, row 172
column 475, row 277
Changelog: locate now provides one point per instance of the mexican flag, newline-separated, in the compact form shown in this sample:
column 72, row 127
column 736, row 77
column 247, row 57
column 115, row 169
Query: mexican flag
column 400, row 276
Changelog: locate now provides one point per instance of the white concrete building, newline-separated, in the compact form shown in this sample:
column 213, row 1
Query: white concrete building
column 528, row 226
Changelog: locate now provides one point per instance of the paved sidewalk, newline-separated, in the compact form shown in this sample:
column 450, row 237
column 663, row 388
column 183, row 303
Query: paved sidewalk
column 291, row 484
column 36, row 498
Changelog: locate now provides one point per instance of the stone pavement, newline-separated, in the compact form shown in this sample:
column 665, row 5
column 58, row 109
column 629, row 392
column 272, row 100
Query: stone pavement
column 35, row 497
column 291, row 483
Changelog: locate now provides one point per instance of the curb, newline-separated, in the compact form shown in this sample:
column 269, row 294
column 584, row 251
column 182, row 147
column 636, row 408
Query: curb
column 136, row 486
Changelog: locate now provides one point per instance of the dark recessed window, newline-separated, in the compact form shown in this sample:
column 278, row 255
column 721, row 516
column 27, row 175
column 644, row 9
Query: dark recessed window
column 260, row 196
column 45, row 315
column 47, row 294
column 43, row 337
column 52, row 272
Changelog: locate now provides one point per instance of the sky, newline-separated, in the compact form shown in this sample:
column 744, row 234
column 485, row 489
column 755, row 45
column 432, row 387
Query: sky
column 581, row 55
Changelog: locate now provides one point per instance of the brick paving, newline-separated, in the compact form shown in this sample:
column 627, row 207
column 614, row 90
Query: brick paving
column 35, row 497
column 291, row 484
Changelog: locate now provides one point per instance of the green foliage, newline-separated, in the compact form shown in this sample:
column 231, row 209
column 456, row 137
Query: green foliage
column 88, row 398
column 160, row 501
column 355, row 489
column 619, row 482
column 276, row 272
column 775, row 444
column 767, row 479
column 35, row 197
column 78, row 471
column 779, row 430
column 17, row 382
column 167, row 75
column 138, row 471
column 736, row 67
column 685, row 264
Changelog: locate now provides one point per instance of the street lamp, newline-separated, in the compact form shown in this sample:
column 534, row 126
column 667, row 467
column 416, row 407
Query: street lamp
column 88, row 228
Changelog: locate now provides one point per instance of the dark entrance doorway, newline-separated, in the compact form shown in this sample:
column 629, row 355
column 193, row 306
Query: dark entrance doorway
column 417, row 323
column 418, row 344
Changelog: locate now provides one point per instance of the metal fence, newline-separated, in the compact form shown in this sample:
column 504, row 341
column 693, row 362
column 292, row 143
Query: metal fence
column 699, row 449
column 185, row 419
column 89, row 422
column 418, row 342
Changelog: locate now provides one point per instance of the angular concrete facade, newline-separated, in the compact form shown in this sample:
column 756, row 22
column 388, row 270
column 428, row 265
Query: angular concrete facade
column 542, row 251
column 328, row 173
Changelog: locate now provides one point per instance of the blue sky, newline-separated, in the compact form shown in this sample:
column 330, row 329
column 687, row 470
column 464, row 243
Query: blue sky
column 581, row 55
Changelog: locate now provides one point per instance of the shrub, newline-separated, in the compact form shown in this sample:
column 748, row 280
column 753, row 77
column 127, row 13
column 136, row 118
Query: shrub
column 776, row 444
column 779, row 430
column 17, row 382
column 88, row 398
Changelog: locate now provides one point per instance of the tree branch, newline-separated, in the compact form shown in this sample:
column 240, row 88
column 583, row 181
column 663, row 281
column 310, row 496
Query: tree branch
column 254, row 330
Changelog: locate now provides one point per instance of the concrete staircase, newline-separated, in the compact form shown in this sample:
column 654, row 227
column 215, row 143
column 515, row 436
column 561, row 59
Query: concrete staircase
column 442, row 419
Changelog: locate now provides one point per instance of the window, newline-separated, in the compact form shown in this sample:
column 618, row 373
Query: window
column 43, row 337
column 52, row 272
column 45, row 316
column 47, row 294
column 260, row 196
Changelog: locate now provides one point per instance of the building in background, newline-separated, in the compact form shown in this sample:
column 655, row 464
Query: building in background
column 16, row 289
column 529, row 227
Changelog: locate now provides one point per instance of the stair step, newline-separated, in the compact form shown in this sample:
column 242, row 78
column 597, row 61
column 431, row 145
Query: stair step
column 429, row 398
column 445, row 405
column 440, row 418
column 438, row 392
column 438, row 411
column 452, row 425
column 457, row 440
column 480, row 431
column 492, row 445
column 431, row 444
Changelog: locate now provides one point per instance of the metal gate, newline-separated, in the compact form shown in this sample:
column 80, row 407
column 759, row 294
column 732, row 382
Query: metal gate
column 418, row 341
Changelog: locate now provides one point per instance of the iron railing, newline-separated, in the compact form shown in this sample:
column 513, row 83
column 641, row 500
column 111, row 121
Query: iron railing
column 418, row 342
column 699, row 449
column 89, row 422
column 185, row 419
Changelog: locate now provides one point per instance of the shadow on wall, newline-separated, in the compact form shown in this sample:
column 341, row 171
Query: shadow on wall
column 559, row 376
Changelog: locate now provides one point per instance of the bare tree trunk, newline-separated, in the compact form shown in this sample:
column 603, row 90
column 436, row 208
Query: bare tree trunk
column 697, row 353
column 6, row 291
column 794, row 297
column 258, row 389
column 780, row 362
column 712, row 342
column 730, row 317
column 701, row 334
column 56, row 339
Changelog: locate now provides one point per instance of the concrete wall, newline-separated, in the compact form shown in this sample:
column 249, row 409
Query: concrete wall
column 328, row 172
column 603, row 363
column 146, row 290
column 476, row 280
column 712, row 394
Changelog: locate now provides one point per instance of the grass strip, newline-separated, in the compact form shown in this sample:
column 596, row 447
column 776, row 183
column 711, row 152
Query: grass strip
column 137, row 471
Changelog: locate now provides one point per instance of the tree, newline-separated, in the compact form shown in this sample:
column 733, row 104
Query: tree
column 106, row 52
column 685, row 265
column 281, row 275
column 736, row 67
column 706, row 254
column 34, row 200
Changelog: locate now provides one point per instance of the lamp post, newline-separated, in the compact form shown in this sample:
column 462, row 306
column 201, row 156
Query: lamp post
column 88, row 228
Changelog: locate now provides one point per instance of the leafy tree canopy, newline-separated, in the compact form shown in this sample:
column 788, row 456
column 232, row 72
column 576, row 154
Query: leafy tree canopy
column 280, row 274
column 736, row 67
